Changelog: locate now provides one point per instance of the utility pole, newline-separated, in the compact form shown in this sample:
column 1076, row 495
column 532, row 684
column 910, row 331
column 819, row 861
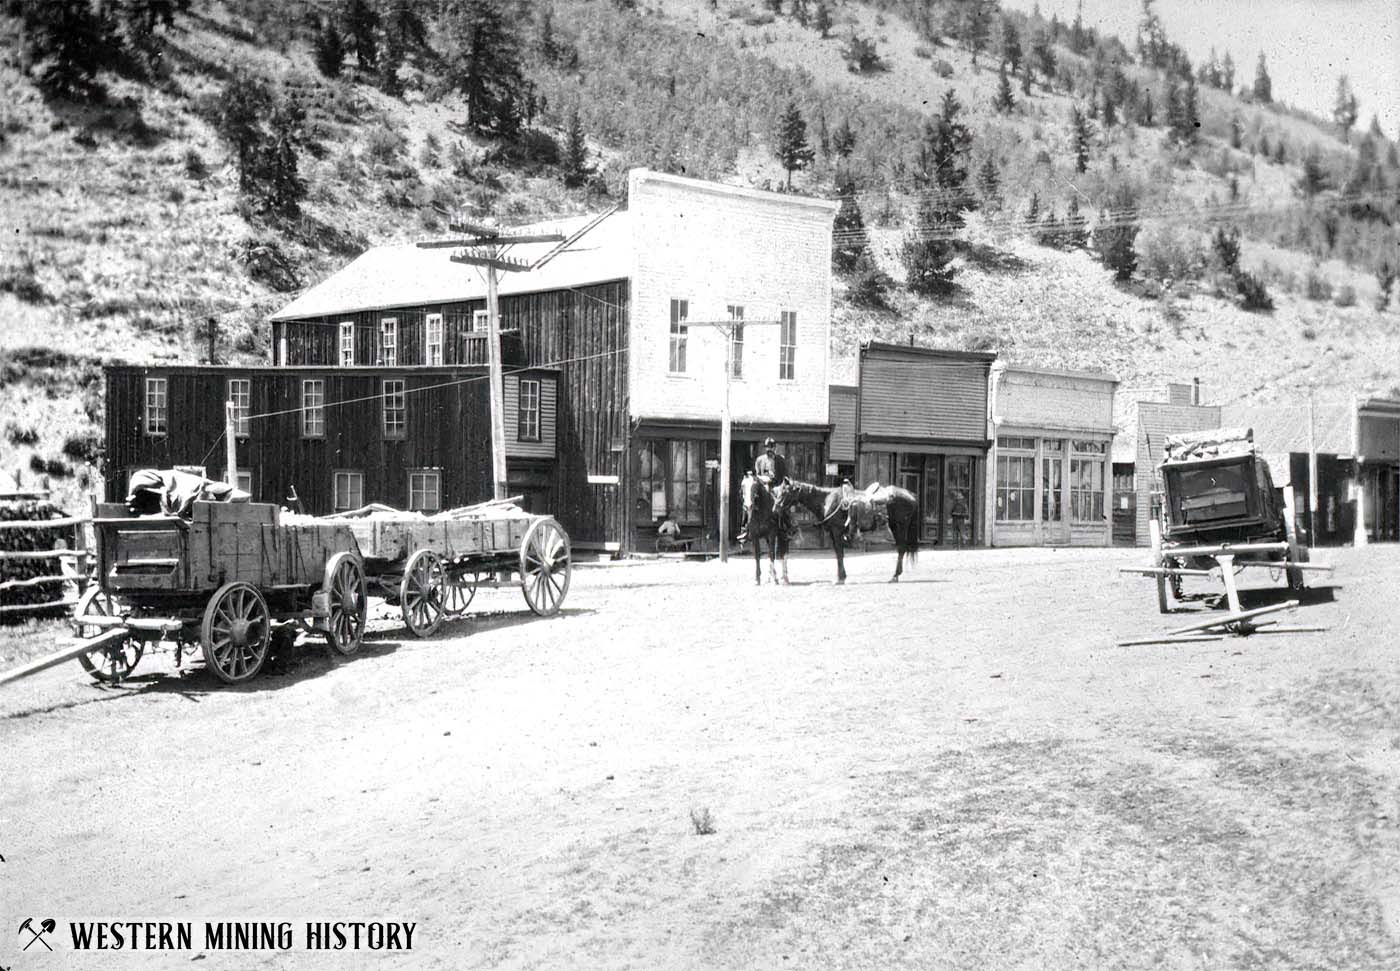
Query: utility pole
column 213, row 337
column 487, row 248
column 1312, row 472
column 230, row 444
column 727, row 328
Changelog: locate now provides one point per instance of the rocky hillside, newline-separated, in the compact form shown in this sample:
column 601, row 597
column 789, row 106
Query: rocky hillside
column 133, row 238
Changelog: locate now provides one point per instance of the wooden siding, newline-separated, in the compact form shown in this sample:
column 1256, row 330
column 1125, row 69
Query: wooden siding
column 544, row 448
column 447, row 429
column 908, row 395
column 844, row 400
column 581, row 333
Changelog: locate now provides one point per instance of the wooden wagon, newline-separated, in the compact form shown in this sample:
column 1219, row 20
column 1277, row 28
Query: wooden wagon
column 1221, row 514
column 232, row 577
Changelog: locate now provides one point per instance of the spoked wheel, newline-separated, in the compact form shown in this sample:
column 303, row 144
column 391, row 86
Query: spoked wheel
column 348, row 600
column 545, row 567
column 115, row 662
column 458, row 591
column 235, row 633
column 1154, row 531
column 421, row 594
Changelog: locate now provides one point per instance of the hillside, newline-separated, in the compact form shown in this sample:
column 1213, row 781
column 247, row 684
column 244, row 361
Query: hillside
column 130, row 231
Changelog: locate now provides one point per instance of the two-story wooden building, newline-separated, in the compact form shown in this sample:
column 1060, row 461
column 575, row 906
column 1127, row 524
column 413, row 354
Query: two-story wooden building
column 1052, row 433
column 648, row 318
column 922, row 424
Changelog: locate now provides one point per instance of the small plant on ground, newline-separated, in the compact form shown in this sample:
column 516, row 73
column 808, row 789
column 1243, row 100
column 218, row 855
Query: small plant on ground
column 1316, row 288
column 1346, row 296
column 703, row 822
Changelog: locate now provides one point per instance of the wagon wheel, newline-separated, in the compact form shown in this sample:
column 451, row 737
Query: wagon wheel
column 1154, row 531
column 421, row 593
column 545, row 567
column 348, row 601
column 235, row 632
column 458, row 591
column 1296, row 554
column 114, row 662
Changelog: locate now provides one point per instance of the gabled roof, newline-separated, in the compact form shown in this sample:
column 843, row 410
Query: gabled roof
column 404, row 276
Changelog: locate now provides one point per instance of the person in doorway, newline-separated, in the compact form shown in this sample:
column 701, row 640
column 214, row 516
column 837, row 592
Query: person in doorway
column 958, row 512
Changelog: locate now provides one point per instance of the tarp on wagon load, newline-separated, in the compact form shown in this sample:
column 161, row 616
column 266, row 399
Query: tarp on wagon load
column 171, row 492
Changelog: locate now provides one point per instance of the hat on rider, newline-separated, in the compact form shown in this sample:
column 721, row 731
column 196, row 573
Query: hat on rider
column 769, row 443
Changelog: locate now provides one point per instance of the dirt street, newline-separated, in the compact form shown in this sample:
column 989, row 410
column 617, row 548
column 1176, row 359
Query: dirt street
column 959, row 771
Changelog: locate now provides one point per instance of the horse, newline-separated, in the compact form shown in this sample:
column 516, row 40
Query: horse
column 764, row 523
column 827, row 506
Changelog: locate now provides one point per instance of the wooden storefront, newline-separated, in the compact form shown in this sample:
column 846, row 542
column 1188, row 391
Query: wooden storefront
column 333, row 438
column 922, row 425
column 1050, row 468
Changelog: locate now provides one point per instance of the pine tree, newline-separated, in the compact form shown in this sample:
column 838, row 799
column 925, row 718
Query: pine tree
column 485, row 67
column 1280, row 152
column 1026, row 78
column 548, row 44
column 329, row 49
column 1075, row 231
column 65, row 43
column 1081, row 132
column 927, row 252
column 1116, row 232
column 1263, row 86
column 1314, row 177
column 1182, row 113
column 1108, row 111
column 822, row 19
column 800, row 13
column 793, row 150
column 1385, row 282
column 1146, row 109
column 245, row 102
column 843, row 140
column 1236, row 132
column 1010, row 45
column 1077, row 40
column 1226, row 244
column 848, row 231
column 1344, row 109
column 1003, row 102
column 1152, row 39
column 989, row 183
column 1227, row 74
column 281, row 184
column 362, row 29
column 1033, row 211
column 1043, row 51
column 1049, row 232
column 977, row 26
column 942, row 173
column 576, row 167
column 1263, row 147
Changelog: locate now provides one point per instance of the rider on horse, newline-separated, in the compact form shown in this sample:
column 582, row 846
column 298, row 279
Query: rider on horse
column 770, row 468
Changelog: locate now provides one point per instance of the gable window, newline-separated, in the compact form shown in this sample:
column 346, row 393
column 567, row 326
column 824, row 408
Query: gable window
column 432, row 339
column 313, row 408
column 424, row 490
column 240, row 392
column 528, row 423
column 787, row 346
column 347, row 343
column 680, row 313
column 476, row 350
column 389, row 342
column 156, row 411
column 736, row 342
column 395, row 409
column 349, row 490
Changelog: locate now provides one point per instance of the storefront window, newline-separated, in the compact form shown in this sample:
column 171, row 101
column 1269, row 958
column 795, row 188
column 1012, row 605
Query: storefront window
column 687, row 482
column 1015, row 487
column 1052, row 485
column 933, row 499
column 650, row 503
column 958, row 504
column 1086, row 481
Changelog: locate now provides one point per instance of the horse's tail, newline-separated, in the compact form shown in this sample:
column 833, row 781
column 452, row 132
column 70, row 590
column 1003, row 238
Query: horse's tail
column 909, row 541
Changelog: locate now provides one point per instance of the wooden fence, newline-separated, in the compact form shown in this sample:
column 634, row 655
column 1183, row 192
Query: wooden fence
column 73, row 564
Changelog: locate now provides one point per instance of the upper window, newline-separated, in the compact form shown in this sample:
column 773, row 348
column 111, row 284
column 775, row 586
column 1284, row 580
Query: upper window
column 479, row 322
column 787, row 349
column 389, row 342
column 680, row 331
column 156, row 410
column 1011, row 441
column 313, row 408
column 349, row 489
column 347, row 343
column 395, row 409
column 432, row 339
column 240, row 392
column 528, row 423
column 244, row 478
column 736, row 342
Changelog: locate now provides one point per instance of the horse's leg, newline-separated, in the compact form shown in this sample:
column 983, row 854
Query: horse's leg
column 757, row 545
column 840, row 556
column 783, row 552
column 898, row 564
column 773, row 557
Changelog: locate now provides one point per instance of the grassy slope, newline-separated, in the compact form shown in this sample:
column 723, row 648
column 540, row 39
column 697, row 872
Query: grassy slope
column 129, row 247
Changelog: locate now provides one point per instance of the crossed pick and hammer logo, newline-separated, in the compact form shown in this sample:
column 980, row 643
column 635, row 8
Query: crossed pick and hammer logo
column 36, row 935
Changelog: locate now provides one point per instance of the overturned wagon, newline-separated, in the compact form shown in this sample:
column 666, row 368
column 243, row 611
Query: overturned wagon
column 229, row 577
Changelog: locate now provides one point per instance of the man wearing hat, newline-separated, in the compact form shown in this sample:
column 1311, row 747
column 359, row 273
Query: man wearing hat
column 769, row 468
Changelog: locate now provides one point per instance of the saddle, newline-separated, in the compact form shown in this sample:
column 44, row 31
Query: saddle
column 866, row 509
